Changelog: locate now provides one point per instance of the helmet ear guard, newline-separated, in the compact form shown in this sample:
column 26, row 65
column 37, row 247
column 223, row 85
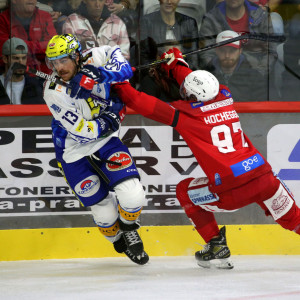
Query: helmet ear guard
column 199, row 86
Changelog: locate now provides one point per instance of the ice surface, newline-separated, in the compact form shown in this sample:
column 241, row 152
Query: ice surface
column 253, row 277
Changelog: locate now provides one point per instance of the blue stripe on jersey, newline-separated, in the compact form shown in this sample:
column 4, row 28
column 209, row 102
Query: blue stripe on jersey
column 247, row 165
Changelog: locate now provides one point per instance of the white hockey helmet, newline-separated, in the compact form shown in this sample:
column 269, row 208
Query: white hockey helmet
column 199, row 86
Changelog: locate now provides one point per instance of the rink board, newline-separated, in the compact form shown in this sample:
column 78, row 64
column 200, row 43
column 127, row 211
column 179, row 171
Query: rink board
column 87, row 242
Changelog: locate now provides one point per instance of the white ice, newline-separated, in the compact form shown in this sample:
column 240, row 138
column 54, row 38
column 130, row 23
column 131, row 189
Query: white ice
column 253, row 277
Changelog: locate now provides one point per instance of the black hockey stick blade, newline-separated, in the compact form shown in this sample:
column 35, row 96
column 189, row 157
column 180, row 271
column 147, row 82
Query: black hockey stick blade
column 252, row 36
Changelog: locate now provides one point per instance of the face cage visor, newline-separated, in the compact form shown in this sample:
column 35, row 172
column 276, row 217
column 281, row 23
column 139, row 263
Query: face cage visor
column 50, row 62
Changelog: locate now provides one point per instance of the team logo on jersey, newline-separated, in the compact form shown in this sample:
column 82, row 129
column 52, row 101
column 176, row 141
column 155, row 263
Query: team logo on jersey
column 88, row 187
column 247, row 165
column 120, row 157
column 225, row 93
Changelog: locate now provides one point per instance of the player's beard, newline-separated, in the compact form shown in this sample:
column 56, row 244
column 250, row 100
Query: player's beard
column 66, row 75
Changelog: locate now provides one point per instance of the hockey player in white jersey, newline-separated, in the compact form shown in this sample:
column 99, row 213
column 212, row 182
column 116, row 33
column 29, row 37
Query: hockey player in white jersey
column 95, row 163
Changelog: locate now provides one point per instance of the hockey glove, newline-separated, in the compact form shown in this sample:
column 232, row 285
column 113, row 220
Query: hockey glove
column 117, row 107
column 117, row 68
column 108, row 120
column 175, row 57
column 81, row 85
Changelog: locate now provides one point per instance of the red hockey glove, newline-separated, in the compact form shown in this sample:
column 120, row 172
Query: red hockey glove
column 175, row 57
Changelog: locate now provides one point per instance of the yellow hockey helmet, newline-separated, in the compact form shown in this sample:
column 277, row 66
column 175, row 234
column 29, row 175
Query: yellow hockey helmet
column 63, row 45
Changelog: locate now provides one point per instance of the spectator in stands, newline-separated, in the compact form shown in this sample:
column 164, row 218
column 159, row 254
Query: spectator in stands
column 63, row 7
column 167, row 27
column 16, row 87
column 117, row 6
column 270, row 6
column 160, row 30
column 291, row 75
column 232, row 69
column 95, row 26
column 240, row 16
column 55, row 8
column 24, row 20
column 127, row 10
column 3, row 4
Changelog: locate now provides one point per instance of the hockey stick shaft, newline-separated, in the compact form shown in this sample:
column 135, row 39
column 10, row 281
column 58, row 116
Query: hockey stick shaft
column 39, row 74
column 250, row 36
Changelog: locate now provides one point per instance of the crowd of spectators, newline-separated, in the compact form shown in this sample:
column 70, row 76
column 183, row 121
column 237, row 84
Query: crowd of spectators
column 254, row 70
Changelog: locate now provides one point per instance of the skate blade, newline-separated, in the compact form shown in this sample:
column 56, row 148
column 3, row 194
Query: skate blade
column 224, row 263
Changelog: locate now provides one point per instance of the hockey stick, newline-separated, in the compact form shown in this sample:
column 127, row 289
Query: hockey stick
column 247, row 36
column 58, row 81
column 37, row 73
column 97, row 169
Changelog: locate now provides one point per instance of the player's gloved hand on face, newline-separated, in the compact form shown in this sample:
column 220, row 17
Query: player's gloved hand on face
column 81, row 85
column 108, row 120
column 175, row 57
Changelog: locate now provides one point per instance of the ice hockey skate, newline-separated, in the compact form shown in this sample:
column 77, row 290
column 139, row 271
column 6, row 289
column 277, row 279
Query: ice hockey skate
column 132, row 238
column 215, row 254
column 121, row 247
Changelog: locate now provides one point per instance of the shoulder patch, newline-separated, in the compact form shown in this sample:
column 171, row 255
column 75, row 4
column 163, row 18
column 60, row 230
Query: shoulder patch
column 87, row 56
column 226, row 93
column 196, row 104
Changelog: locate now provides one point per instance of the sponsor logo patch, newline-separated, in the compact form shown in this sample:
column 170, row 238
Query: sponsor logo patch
column 196, row 104
column 280, row 203
column 120, row 157
column 88, row 187
column 80, row 126
column 202, row 196
column 218, row 180
column 225, row 93
column 56, row 108
column 247, row 165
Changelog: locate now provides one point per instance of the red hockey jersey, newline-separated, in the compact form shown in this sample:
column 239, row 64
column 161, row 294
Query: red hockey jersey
column 212, row 130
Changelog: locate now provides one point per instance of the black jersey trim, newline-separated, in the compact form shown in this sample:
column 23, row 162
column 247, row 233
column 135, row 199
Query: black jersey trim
column 175, row 119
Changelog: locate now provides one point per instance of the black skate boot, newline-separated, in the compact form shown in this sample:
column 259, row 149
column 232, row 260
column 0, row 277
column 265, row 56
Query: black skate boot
column 121, row 247
column 215, row 253
column 132, row 239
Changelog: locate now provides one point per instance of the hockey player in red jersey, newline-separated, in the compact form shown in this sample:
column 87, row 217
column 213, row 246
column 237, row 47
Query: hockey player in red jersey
column 236, row 173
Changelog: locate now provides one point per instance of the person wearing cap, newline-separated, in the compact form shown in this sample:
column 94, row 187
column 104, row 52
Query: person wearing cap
column 23, row 19
column 16, row 87
column 232, row 69
column 94, row 26
column 241, row 16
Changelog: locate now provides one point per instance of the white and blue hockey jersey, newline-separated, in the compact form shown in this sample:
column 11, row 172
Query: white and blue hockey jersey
column 76, row 132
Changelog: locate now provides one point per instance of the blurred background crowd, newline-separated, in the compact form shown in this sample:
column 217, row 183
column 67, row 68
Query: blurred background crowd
column 253, row 70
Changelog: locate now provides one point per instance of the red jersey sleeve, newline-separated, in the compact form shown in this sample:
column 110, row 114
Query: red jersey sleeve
column 146, row 105
column 180, row 72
